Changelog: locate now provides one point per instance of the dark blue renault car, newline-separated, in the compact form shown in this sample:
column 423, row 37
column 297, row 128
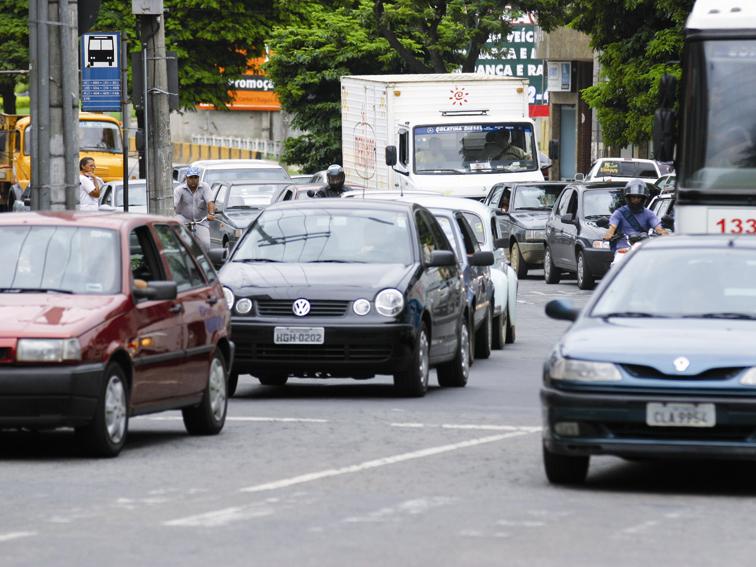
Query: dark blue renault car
column 660, row 362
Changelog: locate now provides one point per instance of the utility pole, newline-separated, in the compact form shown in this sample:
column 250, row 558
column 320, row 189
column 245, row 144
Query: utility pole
column 55, row 103
column 158, row 148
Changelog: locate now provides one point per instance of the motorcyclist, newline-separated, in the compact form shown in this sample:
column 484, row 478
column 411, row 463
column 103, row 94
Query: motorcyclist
column 633, row 217
column 335, row 183
column 192, row 202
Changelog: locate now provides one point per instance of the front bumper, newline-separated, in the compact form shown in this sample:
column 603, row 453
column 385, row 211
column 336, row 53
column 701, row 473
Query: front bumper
column 49, row 396
column 348, row 350
column 598, row 261
column 532, row 252
column 615, row 424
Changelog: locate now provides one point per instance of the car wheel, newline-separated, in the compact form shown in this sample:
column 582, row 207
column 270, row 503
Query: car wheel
column 551, row 273
column 483, row 337
column 209, row 416
column 518, row 262
column 454, row 374
column 584, row 278
column 498, row 338
column 273, row 379
column 105, row 435
column 413, row 381
column 511, row 334
column 233, row 382
column 565, row 469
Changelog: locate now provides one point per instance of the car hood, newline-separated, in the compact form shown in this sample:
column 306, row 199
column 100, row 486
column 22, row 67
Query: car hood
column 706, row 343
column 53, row 315
column 530, row 219
column 292, row 280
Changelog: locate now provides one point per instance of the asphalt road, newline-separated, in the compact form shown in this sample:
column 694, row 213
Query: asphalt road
column 345, row 473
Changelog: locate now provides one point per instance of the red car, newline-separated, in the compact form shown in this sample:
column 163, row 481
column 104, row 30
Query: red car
column 104, row 316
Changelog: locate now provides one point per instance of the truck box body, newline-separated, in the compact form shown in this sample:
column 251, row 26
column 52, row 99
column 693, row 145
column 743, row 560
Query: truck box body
column 447, row 129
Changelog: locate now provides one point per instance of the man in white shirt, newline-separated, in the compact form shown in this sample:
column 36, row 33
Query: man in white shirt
column 89, row 185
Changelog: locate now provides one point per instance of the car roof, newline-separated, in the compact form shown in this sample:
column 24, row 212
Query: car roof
column 114, row 220
column 708, row 241
column 237, row 163
column 343, row 204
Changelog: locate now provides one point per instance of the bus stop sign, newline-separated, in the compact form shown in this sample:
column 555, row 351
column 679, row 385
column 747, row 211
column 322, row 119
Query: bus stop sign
column 101, row 72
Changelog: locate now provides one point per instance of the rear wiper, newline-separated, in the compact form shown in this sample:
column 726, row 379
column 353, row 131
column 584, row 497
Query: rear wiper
column 630, row 314
column 723, row 315
column 34, row 290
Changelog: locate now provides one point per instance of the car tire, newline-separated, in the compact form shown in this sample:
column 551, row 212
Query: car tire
column 273, row 379
column 565, row 469
column 233, row 383
column 584, row 277
column 511, row 330
column 209, row 416
column 454, row 374
column 551, row 273
column 413, row 381
column 483, row 337
column 106, row 434
column 499, row 336
column 517, row 261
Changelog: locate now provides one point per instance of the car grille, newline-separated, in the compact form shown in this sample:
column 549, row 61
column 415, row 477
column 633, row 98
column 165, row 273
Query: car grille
column 313, row 353
column 640, row 371
column 318, row 308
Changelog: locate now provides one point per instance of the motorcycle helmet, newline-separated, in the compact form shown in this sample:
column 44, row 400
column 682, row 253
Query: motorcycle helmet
column 335, row 176
column 636, row 188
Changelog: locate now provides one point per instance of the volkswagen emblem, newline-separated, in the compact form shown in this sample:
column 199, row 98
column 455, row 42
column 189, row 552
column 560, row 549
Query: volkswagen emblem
column 301, row 307
column 681, row 364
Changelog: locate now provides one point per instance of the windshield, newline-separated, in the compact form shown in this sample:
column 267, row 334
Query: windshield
column 540, row 197
column 249, row 195
column 719, row 118
column 67, row 259
column 474, row 148
column 658, row 283
column 99, row 136
column 137, row 194
column 602, row 202
column 245, row 174
column 322, row 235
column 621, row 168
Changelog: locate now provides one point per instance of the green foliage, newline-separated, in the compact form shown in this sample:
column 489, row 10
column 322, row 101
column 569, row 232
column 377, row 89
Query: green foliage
column 638, row 41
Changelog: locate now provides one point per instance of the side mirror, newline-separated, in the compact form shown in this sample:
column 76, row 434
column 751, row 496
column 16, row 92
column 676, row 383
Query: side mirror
column 217, row 256
column 562, row 309
column 390, row 155
column 501, row 243
column 579, row 177
column 668, row 222
column 157, row 290
column 482, row 258
column 441, row 258
column 569, row 218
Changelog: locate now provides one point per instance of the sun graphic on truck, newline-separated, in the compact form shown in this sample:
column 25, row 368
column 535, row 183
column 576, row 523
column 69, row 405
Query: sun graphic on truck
column 458, row 96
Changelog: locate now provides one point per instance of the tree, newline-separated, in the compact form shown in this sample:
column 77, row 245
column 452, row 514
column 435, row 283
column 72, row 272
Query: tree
column 14, row 49
column 638, row 41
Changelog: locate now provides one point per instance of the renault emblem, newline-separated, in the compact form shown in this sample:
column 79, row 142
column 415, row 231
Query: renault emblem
column 681, row 363
column 301, row 307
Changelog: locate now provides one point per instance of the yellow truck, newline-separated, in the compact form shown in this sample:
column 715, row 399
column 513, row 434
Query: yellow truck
column 99, row 137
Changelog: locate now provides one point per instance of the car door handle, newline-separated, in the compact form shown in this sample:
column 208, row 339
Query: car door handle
column 212, row 300
column 176, row 308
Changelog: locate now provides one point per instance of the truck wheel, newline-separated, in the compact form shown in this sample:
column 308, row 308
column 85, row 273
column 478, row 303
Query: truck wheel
column 584, row 278
column 105, row 435
column 209, row 416
column 518, row 262
column 413, row 380
column 551, row 273
column 483, row 337
column 454, row 374
column 565, row 469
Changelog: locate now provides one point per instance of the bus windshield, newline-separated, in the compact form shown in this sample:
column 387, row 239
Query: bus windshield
column 719, row 117
column 445, row 149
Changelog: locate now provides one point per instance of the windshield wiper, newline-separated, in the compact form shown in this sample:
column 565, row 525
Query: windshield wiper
column 246, row 260
column 630, row 314
column 34, row 290
column 723, row 315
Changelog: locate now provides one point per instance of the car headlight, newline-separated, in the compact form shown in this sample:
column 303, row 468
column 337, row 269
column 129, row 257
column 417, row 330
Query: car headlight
column 535, row 234
column 389, row 302
column 583, row 370
column 48, row 350
column 229, row 296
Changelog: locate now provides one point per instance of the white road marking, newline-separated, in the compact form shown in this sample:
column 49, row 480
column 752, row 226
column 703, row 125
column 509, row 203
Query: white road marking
column 15, row 535
column 222, row 517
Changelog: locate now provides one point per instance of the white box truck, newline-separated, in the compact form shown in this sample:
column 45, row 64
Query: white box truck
column 455, row 134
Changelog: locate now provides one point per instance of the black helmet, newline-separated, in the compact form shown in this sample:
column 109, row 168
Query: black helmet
column 636, row 187
column 335, row 176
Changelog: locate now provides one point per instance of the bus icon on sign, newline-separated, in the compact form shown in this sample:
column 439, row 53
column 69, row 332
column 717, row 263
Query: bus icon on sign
column 100, row 51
